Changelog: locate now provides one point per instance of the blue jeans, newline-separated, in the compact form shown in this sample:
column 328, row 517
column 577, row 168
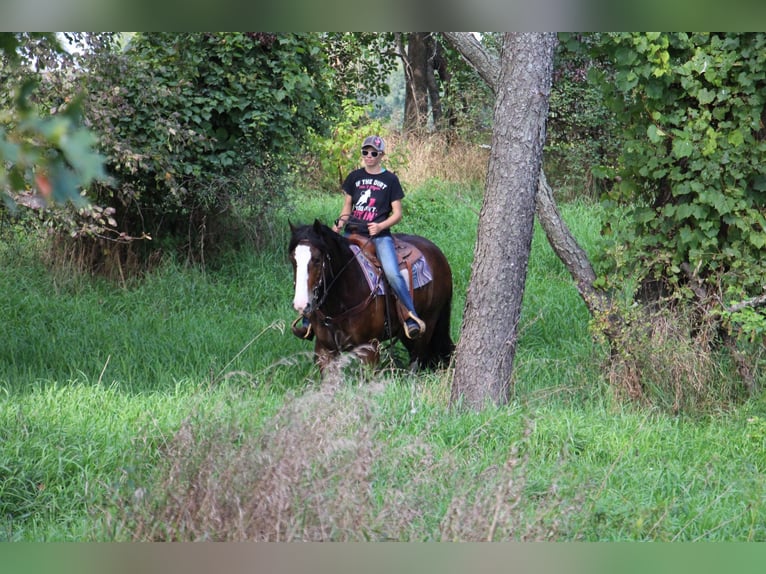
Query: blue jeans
column 384, row 245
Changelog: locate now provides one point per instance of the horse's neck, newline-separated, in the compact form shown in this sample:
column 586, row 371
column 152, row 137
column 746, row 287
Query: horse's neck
column 349, row 283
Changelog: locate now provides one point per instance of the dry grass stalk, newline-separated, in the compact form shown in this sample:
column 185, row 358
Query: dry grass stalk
column 319, row 472
column 495, row 506
column 666, row 360
column 308, row 476
column 434, row 157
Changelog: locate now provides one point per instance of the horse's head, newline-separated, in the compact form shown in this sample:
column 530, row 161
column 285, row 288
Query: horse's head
column 311, row 252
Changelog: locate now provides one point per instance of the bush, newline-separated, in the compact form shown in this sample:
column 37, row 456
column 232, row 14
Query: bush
column 196, row 126
column 692, row 111
column 333, row 157
column 583, row 137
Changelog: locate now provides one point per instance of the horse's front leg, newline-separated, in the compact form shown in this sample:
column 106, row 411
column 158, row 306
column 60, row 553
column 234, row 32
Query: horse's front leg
column 369, row 353
column 323, row 356
column 329, row 365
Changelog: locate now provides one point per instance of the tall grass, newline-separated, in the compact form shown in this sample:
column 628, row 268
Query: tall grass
column 179, row 407
column 437, row 157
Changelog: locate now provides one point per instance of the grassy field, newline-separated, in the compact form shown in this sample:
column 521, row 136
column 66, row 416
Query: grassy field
column 181, row 408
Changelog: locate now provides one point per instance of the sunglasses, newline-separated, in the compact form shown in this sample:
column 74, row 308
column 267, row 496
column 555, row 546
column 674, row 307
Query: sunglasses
column 372, row 153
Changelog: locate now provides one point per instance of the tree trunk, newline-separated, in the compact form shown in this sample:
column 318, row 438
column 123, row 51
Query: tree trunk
column 438, row 76
column 485, row 353
column 560, row 238
column 568, row 250
column 416, row 82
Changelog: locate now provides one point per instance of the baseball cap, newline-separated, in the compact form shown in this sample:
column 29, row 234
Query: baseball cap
column 376, row 142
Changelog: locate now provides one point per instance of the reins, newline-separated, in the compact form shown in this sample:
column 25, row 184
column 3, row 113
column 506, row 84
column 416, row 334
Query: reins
column 359, row 307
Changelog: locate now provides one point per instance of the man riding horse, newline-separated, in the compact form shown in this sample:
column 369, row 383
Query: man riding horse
column 372, row 206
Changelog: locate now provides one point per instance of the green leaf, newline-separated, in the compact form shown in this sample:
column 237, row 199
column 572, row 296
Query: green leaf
column 735, row 138
column 759, row 183
column 78, row 150
column 687, row 236
column 705, row 96
column 682, row 148
column 9, row 151
column 16, row 176
column 711, row 142
column 757, row 240
column 654, row 133
column 625, row 56
column 66, row 185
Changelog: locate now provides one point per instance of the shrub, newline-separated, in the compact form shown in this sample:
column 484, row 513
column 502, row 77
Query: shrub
column 197, row 126
column 692, row 111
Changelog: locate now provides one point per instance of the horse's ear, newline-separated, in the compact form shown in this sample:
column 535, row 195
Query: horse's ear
column 317, row 226
column 292, row 227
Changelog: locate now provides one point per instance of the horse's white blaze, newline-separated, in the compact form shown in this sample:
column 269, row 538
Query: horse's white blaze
column 302, row 257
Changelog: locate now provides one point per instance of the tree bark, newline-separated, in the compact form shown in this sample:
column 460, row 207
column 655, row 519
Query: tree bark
column 559, row 236
column 416, row 83
column 567, row 249
column 433, row 61
column 485, row 353
column 485, row 64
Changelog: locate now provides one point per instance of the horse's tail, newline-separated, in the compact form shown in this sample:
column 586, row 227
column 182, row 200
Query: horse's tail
column 441, row 346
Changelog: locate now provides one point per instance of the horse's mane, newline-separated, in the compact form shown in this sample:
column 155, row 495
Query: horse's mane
column 322, row 237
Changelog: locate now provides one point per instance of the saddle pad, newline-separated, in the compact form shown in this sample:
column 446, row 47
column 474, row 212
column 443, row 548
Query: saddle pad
column 421, row 272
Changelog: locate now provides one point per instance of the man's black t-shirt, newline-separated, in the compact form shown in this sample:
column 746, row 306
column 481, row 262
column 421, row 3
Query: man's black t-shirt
column 371, row 197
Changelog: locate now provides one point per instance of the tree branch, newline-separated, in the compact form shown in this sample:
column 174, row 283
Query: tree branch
column 485, row 64
column 559, row 236
column 753, row 302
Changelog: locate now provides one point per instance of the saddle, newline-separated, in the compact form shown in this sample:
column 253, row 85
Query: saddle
column 406, row 255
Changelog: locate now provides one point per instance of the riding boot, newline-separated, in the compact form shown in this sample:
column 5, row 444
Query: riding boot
column 304, row 330
column 414, row 326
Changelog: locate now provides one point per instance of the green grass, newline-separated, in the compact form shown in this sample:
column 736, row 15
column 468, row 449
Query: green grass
column 180, row 407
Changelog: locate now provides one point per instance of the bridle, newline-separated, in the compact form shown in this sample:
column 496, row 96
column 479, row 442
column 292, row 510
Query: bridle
column 315, row 301
column 321, row 289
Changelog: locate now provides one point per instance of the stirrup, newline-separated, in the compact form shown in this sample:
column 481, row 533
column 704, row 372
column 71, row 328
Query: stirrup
column 421, row 326
column 298, row 329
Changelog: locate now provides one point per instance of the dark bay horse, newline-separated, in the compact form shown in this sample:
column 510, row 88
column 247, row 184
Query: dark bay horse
column 333, row 291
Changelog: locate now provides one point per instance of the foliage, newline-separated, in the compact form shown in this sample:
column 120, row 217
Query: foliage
column 183, row 116
column 467, row 101
column 23, row 53
column 49, row 158
column 338, row 154
column 362, row 62
column 583, row 136
column 691, row 107
column 460, row 102
column 202, row 131
column 52, row 155
column 365, row 67
column 390, row 108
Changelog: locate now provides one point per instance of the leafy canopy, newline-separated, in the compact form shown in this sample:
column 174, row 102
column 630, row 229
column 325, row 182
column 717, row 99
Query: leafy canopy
column 181, row 114
column 44, row 158
column 691, row 171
